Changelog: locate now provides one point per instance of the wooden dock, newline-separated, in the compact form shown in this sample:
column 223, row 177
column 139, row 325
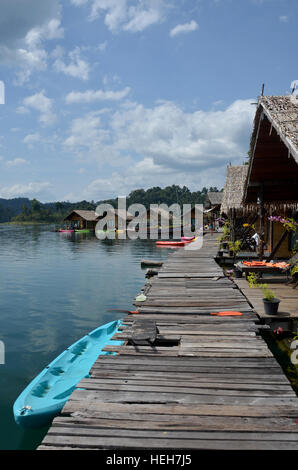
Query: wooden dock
column 288, row 307
column 206, row 382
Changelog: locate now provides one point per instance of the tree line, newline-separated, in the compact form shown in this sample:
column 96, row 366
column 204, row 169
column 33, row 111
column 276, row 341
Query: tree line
column 26, row 210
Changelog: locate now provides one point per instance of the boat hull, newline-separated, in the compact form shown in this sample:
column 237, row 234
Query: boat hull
column 45, row 396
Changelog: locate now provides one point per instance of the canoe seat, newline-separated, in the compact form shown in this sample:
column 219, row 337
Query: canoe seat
column 144, row 332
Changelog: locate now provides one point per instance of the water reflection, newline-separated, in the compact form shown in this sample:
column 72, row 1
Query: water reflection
column 55, row 288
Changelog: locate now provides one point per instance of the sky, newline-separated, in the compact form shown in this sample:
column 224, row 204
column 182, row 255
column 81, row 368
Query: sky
column 106, row 96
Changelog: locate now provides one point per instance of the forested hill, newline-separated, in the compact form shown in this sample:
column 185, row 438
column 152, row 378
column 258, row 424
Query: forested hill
column 26, row 210
column 169, row 195
column 11, row 207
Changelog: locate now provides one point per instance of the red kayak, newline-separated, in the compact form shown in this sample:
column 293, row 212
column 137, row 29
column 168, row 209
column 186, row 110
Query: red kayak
column 69, row 231
column 170, row 243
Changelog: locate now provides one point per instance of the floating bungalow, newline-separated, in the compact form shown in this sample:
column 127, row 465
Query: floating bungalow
column 231, row 206
column 271, row 186
column 212, row 205
column 86, row 219
column 82, row 219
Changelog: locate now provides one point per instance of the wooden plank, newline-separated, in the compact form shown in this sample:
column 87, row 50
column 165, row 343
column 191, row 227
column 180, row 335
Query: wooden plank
column 220, row 388
column 158, row 443
column 170, row 422
column 170, row 397
column 97, row 406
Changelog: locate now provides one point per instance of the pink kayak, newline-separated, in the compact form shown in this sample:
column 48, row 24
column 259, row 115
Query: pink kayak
column 186, row 239
column 173, row 243
column 170, row 243
column 69, row 231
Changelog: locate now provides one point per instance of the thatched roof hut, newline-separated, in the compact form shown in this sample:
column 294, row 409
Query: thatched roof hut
column 273, row 165
column 213, row 199
column 234, row 188
column 81, row 214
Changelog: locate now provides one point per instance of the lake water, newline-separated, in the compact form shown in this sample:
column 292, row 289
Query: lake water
column 55, row 288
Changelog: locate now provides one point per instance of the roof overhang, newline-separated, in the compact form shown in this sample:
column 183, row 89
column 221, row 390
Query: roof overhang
column 273, row 166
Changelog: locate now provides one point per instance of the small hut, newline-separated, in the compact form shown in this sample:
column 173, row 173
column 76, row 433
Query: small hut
column 88, row 219
column 82, row 219
column 212, row 206
column 232, row 206
column 271, row 186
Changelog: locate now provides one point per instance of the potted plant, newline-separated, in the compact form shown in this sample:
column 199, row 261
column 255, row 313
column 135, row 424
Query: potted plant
column 225, row 235
column 271, row 302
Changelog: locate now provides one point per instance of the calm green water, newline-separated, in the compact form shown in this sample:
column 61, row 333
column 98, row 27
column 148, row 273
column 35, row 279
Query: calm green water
column 55, row 288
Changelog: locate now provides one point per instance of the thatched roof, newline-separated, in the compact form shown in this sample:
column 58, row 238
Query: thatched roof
column 91, row 216
column 282, row 112
column 86, row 215
column 273, row 162
column 234, row 188
column 214, row 198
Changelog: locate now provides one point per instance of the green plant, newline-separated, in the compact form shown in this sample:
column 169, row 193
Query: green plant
column 294, row 270
column 235, row 247
column 253, row 283
column 226, row 231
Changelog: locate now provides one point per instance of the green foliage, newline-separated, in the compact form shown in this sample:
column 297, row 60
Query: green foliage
column 253, row 283
column 235, row 247
column 25, row 210
column 169, row 195
column 294, row 270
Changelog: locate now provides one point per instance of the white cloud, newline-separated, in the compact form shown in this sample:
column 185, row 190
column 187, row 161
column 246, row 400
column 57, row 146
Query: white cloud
column 163, row 144
column 43, row 104
column 31, row 139
column 283, row 18
column 25, row 190
column 126, row 15
column 24, row 29
column 16, row 162
column 184, row 28
column 90, row 96
column 76, row 67
column 102, row 46
column 86, row 133
column 79, row 2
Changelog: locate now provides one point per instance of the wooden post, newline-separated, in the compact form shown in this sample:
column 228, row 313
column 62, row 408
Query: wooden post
column 233, row 225
column 261, row 215
column 284, row 235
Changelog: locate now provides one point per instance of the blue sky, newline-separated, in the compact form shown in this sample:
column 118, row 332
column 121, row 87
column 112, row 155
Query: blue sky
column 106, row 96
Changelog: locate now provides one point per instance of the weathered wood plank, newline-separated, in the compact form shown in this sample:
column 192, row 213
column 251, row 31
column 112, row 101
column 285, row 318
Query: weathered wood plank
column 219, row 388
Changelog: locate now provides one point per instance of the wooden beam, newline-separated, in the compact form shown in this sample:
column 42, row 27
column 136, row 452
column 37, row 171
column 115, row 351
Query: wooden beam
column 282, row 238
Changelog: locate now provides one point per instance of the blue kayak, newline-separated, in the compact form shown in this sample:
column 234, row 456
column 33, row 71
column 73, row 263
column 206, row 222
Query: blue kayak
column 45, row 396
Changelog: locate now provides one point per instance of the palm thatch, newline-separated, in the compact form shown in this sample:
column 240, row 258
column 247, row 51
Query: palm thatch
column 89, row 216
column 273, row 165
column 234, row 188
column 213, row 198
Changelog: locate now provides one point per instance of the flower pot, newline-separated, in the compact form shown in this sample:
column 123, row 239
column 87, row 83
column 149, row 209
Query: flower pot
column 225, row 245
column 237, row 273
column 231, row 253
column 271, row 306
column 220, row 253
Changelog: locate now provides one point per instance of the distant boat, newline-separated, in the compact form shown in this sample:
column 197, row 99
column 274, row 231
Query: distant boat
column 174, row 243
column 45, row 396
column 66, row 230
column 82, row 230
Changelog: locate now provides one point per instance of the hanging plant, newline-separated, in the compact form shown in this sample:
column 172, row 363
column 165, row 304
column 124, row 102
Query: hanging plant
column 289, row 223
